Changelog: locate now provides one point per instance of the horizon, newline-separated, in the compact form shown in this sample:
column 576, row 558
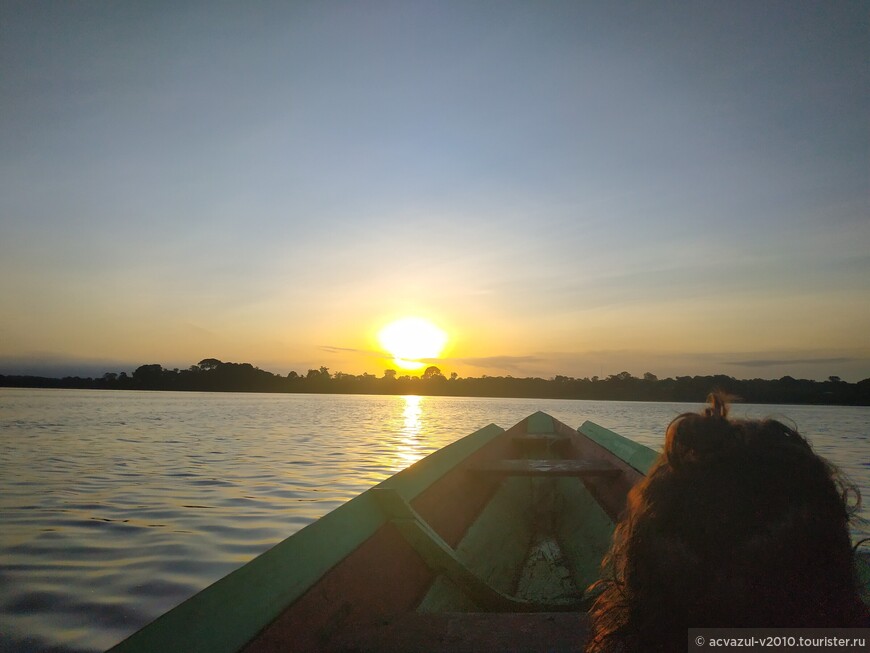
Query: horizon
column 96, row 371
column 573, row 190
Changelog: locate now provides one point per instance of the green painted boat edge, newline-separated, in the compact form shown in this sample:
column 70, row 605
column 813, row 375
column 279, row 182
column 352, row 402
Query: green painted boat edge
column 229, row 613
column 539, row 423
column 638, row 456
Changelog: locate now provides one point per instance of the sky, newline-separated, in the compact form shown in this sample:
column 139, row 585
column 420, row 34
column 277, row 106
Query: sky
column 571, row 188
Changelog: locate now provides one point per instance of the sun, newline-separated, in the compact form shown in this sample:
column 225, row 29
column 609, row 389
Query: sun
column 412, row 339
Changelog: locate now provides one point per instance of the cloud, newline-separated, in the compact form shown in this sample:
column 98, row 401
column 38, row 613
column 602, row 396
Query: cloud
column 56, row 365
column 764, row 362
column 201, row 331
column 848, row 364
column 809, row 364
column 498, row 362
column 335, row 350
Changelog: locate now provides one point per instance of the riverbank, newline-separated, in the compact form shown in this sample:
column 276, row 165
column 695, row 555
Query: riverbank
column 215, row 376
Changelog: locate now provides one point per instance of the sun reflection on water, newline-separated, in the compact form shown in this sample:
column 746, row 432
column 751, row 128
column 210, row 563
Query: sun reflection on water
column 412, row 413
column 409, row 448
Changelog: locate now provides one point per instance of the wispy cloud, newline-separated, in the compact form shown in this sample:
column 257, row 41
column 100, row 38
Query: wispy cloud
column 510, row 363
column 370, row 353
column 335, row 350
column 847, row 364
column 773, row 362
column 54, row 364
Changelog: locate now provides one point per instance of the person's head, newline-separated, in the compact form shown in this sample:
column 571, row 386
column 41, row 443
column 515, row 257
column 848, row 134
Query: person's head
column 737, row 524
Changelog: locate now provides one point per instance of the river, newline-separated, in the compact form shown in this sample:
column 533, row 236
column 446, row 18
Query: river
column 116, row 506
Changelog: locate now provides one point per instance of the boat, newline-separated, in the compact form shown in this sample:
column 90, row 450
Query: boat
column 487, row 544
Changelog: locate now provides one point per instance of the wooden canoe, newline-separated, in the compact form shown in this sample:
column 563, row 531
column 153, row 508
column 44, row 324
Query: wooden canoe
column 486, row 544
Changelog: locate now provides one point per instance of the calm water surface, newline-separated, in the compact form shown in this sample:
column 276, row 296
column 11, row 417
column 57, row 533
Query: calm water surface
column 116, row 506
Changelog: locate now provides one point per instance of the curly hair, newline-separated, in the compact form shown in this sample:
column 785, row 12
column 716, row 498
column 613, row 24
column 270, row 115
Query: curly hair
column 738, row 524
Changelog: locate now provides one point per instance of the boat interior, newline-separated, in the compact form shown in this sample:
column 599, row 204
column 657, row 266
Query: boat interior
column 519, row 576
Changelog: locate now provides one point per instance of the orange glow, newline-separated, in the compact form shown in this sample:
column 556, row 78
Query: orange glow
column 411, row 340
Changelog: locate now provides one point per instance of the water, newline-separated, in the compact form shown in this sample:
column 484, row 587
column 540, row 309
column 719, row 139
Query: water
column 116, row 506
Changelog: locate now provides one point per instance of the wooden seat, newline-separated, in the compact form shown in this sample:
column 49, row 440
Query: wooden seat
column 548, row 438
column 542, row 445
column 549, row 467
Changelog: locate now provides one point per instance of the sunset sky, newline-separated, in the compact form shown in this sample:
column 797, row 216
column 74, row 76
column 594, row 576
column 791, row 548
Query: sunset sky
column 570, row 188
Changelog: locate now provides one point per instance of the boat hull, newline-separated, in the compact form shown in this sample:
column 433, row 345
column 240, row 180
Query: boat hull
column 487, row 544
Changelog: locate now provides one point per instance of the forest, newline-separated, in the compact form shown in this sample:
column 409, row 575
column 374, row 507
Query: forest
column 213, row 375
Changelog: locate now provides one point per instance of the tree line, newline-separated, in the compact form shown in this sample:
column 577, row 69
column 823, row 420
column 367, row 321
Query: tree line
column 213, row 375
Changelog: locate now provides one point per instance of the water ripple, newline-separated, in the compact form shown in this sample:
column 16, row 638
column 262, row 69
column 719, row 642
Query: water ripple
column 117, row 506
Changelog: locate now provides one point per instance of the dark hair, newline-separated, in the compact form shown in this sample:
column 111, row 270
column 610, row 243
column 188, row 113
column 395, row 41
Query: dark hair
column 738, row 524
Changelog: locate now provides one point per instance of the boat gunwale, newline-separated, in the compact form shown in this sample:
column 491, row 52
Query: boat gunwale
column 638, row 456
column 252, row 596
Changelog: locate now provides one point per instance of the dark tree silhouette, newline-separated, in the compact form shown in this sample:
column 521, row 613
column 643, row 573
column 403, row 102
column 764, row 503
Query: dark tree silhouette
column 213, row 375
column 432, row 372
